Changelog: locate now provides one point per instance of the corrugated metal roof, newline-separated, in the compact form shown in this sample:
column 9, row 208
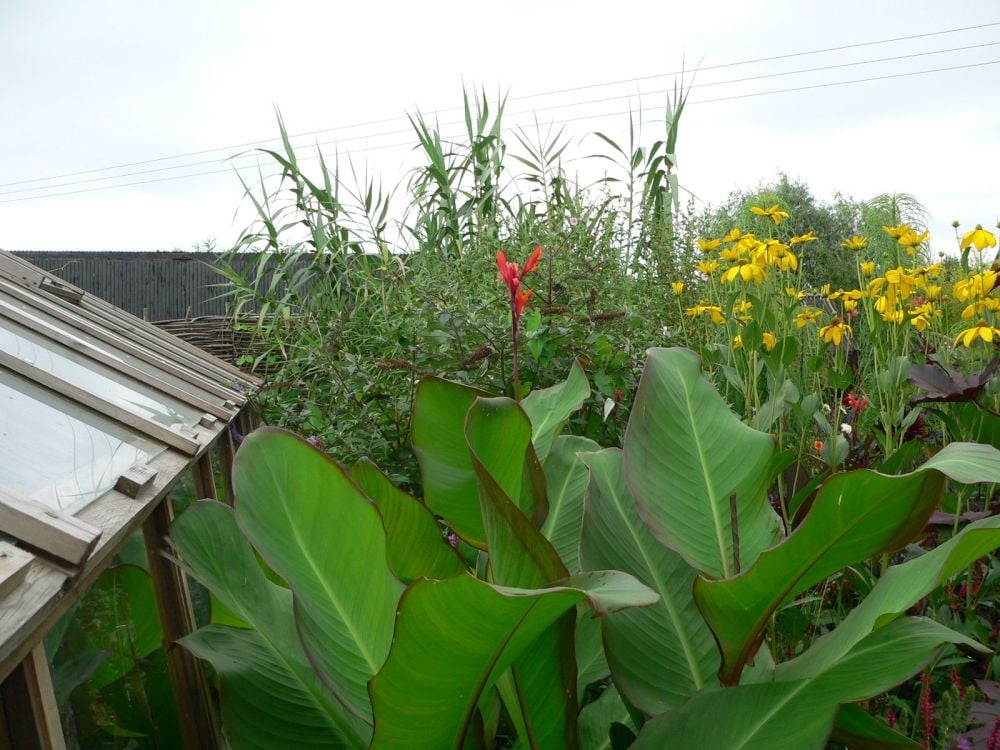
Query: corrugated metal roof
column 158, row 286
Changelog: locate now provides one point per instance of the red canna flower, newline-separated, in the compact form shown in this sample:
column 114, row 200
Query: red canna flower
column 508, row 272
column 512, row 276
column 532, row 260
column 521, row 299
column 855, row 403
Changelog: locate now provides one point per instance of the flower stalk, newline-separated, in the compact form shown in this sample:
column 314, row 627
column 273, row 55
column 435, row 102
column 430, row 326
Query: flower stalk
column 513, row 277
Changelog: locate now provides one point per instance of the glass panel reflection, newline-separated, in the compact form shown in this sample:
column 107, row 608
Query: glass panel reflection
column 94, row 377
column 42, row 320
column 59, row 453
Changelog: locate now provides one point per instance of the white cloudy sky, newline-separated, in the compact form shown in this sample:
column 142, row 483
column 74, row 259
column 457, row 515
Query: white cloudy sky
column 88, row 85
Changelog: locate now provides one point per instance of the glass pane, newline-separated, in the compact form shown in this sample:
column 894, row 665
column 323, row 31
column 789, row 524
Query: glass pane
column 59, row 453
column 43, row 320
column 94, row 377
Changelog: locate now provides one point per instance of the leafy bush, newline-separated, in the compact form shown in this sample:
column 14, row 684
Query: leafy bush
column 378, row 631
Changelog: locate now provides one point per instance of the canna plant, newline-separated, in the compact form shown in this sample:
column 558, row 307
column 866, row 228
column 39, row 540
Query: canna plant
column 346, row 619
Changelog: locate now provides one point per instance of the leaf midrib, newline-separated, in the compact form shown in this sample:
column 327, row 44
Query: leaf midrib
column 709, row 486
column 668, row 602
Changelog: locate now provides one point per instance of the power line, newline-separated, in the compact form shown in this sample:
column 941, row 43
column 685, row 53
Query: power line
column 556, row 122
column 518, row 98
column 564, row 105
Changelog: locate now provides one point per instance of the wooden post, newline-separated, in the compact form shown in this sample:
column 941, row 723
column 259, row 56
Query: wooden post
column 227, row 453
column 173, row 600
column 30, row 714
column 204, row 478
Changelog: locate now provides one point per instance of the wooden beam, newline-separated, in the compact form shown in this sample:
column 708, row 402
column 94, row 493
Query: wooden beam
column 62, row 536
column 227, row 453
column 204, row 478
column 136, row 478
column 49, row 591
column 29, row 705
column 173, row 601
column 14, row 564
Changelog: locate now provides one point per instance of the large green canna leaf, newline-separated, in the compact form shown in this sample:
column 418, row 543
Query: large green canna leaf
column 857, row 729
column 799, row 714
column 498, row 436
column 686, row 454
column 543, row 678
column 415, row 545
column 659, row 655
column 899, row 589
column 566, row 477
column 455, row 638
column 549, row 408
column 439, row 410
column 315, row 528
column 591, row 663
column 597, row 717
column 270, row 692
column 856, row 515
column 264, row 705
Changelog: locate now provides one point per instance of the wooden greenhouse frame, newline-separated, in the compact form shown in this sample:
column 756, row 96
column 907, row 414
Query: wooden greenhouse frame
column 160, row 407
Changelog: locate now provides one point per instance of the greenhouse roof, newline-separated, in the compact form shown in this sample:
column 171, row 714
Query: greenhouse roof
column 100, row 413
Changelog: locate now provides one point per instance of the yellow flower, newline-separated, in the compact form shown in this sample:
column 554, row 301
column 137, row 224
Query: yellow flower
column 713, row 311
column 791, row 291
column 982, row 330
column 733, row 235
column 733, row 252
column 769, row 340
column 746, row 271
column 825, row 289
column 776, row 253
column 855, row 242
column 977, row 285
column 774, row 212
column 741, row 311
column 708, row 267
column 896, row 232
column 868, row 267
column 933, row 291
column 978, row 238
column 737, row 342
column 979, row 307
column 708, row 246
column 910, row 239
column 897, row 285
column 835, row 332
column 807, row 237
column 923, row 315
column 893, row 316
column 678, row 287
column 809, row 316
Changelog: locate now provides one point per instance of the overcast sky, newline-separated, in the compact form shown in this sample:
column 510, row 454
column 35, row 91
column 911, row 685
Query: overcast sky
column 88, row 85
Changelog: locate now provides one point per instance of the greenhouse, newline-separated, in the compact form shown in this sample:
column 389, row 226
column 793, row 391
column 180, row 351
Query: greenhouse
column 101, row 413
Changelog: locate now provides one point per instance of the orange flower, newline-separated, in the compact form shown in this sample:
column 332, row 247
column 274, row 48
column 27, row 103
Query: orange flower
column 521, row 299
column 512, row 276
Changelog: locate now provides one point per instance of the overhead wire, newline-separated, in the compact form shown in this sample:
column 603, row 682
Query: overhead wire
column 557, row 122
column 563, row 105
column 719, row 66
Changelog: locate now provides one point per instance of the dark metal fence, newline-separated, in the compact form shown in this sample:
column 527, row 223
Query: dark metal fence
column 158, row 286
